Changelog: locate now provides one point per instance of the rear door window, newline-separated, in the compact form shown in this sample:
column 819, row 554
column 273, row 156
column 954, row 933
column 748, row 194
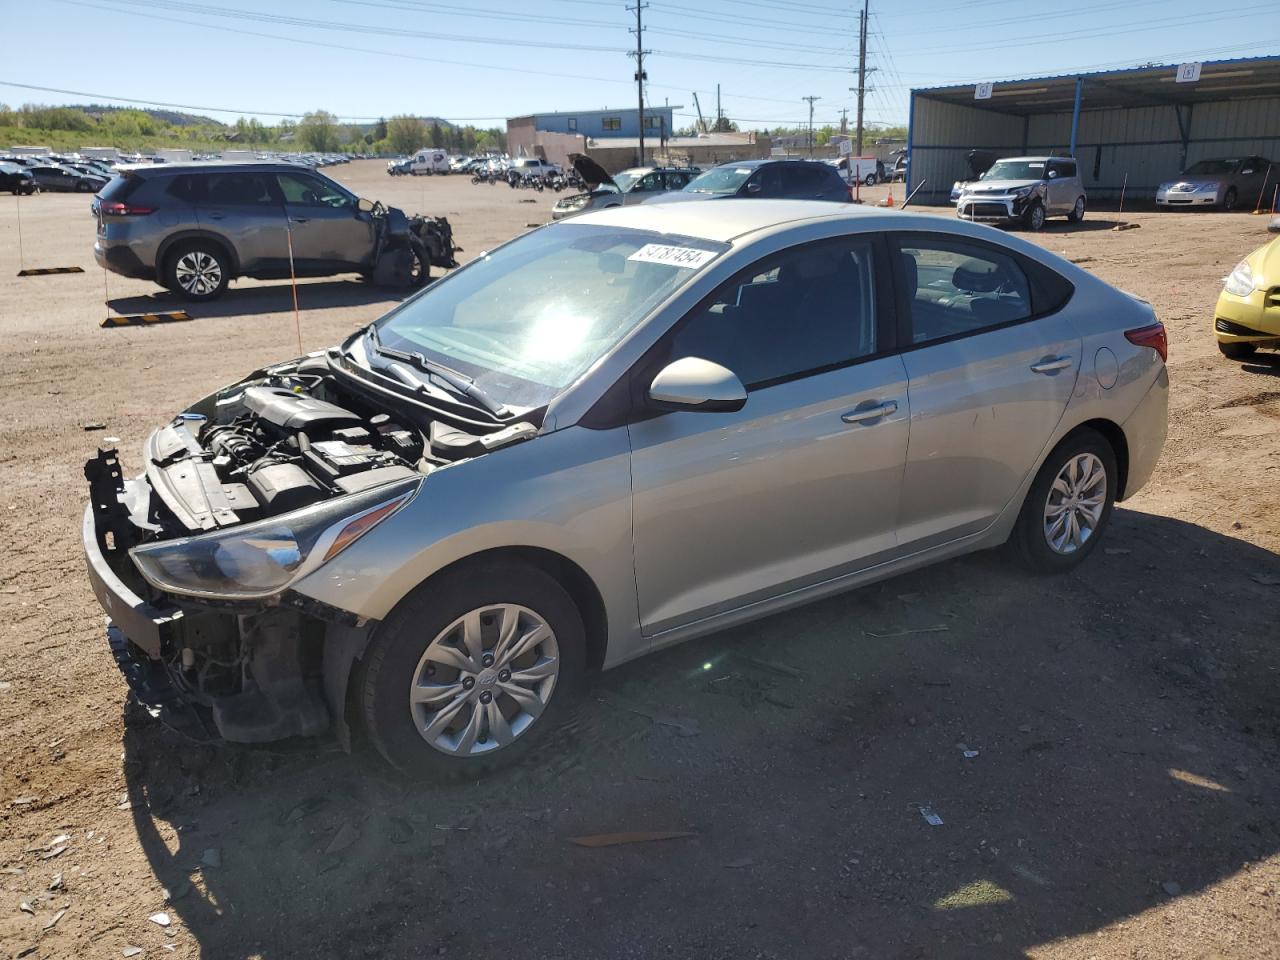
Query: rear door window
column 802, row 180
column 239, row 189
column 953, row 288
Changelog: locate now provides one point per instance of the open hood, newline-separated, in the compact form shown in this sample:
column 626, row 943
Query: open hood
column 592, row 174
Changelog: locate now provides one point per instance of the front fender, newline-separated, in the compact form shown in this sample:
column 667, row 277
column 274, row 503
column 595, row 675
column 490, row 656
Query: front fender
column 567, row 492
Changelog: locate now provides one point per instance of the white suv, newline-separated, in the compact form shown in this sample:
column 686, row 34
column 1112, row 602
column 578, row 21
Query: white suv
column 533, row 165
column 1025, row 190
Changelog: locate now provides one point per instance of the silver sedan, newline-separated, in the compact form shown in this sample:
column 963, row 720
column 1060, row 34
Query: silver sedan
column 610, row 435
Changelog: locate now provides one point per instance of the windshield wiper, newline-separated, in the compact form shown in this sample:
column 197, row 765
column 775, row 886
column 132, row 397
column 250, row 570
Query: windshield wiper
column 459, row 383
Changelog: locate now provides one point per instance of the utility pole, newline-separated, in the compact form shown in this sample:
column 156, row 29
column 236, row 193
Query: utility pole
column 699, row 108
column 811, row 100
column 641, row 76
column 844, row 119
column 862, row 68
column 719, row 114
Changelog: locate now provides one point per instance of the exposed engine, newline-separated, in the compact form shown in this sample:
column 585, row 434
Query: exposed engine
column 279, row 449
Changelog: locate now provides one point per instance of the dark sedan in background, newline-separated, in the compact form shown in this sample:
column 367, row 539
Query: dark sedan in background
column 16, row 179
column 53, row 176
column 765, row 180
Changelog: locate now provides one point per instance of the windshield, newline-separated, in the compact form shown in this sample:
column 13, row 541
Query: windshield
column 720, row 180
column 1210, row 168
column 527, row 320
column 625, row 179
column 1016, row 170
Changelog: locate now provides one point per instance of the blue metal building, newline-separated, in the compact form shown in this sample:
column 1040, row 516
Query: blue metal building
column 1145, row 124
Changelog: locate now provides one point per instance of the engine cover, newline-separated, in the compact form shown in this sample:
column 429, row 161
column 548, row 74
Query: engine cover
column 294, row 411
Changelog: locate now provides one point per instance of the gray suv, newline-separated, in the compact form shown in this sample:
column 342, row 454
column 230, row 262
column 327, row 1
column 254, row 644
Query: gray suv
column 195, row 227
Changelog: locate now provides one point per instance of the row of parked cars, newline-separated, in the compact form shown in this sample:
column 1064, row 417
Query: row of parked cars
column 1027, row 190
column 24, row 175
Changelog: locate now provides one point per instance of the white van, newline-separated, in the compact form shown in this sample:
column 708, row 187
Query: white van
column 429, row 161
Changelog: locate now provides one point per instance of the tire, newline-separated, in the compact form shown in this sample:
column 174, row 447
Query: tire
column 870, row 180
column 82, row 187
column 1030, row 541
column 1238, row 351
column 1229, row 199
column 397, row 661
column 1033, row 218
column 191, row 260
column 422, row 262
column 1077, row 212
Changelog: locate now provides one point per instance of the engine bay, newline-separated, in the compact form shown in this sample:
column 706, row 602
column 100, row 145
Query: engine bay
column 288, row 437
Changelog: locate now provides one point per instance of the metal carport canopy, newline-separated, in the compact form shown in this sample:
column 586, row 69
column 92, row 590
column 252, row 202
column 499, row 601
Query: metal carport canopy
column 1152, row 85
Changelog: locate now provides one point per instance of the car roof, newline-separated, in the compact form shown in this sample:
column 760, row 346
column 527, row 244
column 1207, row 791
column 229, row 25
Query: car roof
column 211, row 166
column 724, row 219
column 1065, row 159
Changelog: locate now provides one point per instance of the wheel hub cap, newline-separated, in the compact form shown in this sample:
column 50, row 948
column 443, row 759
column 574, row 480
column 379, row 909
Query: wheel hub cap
column 1075, row 503
column 198, row 273
column 484, row 680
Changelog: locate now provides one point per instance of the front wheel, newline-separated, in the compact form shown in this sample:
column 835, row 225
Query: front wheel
column 870, row 180
column 1077, row 212
column 1238, row 351
column 1229, row 201
column 1033, row 219
column 1068, row 506
column 472, row 669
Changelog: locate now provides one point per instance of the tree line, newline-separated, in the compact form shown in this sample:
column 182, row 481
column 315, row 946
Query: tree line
column 318, row 131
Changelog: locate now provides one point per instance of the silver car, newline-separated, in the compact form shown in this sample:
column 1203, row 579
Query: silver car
column 1224, row 183
column 1025, row 190
column 607, row 436
column 634, row 185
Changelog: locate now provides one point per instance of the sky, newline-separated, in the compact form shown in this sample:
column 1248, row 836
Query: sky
column 480, row 62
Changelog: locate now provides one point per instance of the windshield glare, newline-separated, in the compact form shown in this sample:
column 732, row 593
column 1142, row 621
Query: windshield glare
column 725, row 179
column 1016, row 170
column 1211, row 167
column 527, row 320
column 624, row 180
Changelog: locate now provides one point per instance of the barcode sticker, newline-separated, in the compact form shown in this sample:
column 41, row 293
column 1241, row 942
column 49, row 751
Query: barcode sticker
column 691, row 258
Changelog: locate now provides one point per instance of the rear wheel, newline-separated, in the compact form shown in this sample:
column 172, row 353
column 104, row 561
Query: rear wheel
column 1077, row 212
column 197, row 270
column 1238, row 351
column 472, row 669
column 1068, row 506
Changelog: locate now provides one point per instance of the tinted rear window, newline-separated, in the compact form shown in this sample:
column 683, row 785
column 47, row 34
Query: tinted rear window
column 183, row 188
column 120, row 188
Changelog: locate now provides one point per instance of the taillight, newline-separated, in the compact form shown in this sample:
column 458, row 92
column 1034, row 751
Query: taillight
column 1152, row 336
column 117, row 209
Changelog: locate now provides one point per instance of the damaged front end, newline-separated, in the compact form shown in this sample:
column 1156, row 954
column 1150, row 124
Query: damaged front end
column 243, row 495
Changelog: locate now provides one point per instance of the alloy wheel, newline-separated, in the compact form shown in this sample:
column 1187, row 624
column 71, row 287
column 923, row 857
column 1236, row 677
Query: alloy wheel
column 484, row 680
column 1077, row 498
column 198, row 273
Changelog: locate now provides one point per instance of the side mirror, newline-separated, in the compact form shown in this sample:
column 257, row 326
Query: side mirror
column 692, row 383
column 364, row 206
column 1053, row 174
column 754, row 187
column 1246, row 172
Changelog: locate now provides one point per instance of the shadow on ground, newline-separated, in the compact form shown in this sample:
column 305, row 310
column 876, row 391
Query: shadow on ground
column 1124, row 721
column 270, row 298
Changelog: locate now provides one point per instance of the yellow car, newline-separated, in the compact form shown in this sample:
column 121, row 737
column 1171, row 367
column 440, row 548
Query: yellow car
column 1248, row 311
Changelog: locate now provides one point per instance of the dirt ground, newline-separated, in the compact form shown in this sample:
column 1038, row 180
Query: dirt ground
column 1124, row 799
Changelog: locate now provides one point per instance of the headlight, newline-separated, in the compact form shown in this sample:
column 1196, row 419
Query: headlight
column 1207, row 188
column 1240, row 283
column 1021, row 192
column 261, row 559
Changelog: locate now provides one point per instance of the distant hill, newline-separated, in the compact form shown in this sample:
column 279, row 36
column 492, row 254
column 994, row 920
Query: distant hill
column 175, row 117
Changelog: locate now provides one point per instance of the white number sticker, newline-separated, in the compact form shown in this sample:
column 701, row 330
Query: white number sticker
column 690, row 258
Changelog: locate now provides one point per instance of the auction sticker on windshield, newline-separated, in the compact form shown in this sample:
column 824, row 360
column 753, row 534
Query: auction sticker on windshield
column 689, row 257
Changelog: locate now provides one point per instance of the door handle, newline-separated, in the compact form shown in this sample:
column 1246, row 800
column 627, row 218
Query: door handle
column 215, row 216
column 864, row 414
column 1051, row 365
column 299, row 219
